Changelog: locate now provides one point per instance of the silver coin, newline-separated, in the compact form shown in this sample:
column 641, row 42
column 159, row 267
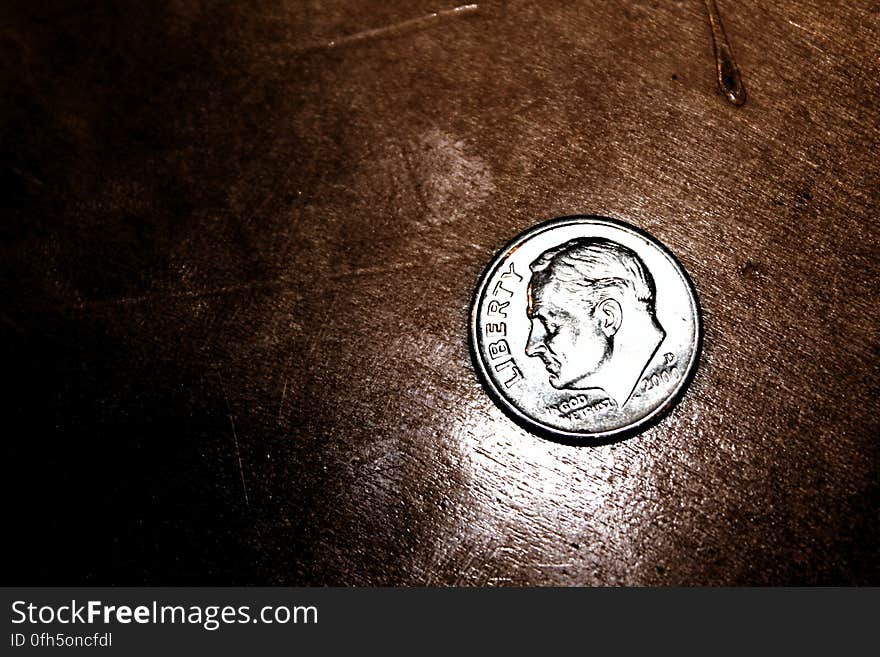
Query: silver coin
column 585, row 329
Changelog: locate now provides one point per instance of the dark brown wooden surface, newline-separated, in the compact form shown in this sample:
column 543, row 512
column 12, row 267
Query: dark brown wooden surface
column 239, row 242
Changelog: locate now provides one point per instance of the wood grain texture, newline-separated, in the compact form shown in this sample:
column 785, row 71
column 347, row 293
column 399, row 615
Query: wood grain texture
column 238, row 249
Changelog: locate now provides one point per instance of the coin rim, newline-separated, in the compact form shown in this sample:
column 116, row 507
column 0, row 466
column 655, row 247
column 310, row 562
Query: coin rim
column 571, row 437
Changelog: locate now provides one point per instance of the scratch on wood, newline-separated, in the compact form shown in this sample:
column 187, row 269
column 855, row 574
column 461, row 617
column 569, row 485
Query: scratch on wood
column 281, row 284
column 811, row 33
column 388, row 30
column 247, row 502
column 378, row 269
column 281, row 403
column 726, row 72
column 394, row 28
column 183, row 294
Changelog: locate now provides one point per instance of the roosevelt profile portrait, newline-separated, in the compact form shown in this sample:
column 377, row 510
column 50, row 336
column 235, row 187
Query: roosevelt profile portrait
column 591, row 303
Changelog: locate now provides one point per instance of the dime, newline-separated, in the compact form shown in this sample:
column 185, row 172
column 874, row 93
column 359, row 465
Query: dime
column 585, row 329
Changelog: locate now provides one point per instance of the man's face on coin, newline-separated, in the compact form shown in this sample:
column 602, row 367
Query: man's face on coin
column 565, row 334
